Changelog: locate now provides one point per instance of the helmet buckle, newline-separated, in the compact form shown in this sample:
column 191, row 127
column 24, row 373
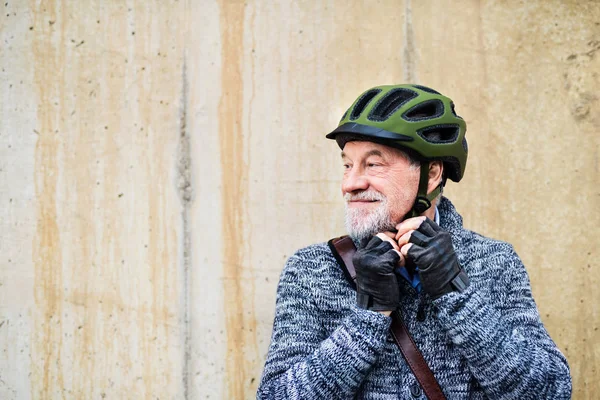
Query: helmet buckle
column 421, row 204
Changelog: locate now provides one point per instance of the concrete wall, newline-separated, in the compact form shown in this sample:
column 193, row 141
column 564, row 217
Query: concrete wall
column 159, row 161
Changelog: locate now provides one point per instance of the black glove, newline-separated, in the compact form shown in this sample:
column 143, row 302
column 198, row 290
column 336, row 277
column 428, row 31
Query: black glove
column 432, row 251
column 377, row 287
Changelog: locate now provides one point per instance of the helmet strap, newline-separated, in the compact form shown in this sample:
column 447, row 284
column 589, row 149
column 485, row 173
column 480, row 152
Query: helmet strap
column 423, row 200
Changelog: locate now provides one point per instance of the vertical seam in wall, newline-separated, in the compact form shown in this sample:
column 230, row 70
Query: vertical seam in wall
column 409, row 50
column 184, row 161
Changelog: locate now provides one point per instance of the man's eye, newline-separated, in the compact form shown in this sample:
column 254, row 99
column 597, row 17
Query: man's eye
column 346, row 166
column 372, row 165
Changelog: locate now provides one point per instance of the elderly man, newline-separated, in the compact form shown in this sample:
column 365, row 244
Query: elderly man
column 465, row 299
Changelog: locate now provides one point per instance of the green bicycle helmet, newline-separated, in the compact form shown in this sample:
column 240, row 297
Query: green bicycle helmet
column 416, row 119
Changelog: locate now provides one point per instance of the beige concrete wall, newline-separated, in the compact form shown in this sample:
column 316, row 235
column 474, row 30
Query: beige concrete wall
column 91, row 274
column 160, row 160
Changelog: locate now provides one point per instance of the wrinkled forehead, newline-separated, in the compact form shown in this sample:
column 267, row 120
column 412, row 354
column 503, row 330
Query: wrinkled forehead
column 362, row 148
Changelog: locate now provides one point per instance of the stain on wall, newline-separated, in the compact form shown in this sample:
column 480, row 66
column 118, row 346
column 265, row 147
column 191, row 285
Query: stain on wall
column 47, row 256
column 238, row 293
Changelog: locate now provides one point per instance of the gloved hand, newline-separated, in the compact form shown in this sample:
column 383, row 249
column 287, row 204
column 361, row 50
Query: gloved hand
column 432, row 251
column 377, row 286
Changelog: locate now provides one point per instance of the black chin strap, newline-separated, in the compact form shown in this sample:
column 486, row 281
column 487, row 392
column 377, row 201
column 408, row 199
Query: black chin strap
column 423, row 200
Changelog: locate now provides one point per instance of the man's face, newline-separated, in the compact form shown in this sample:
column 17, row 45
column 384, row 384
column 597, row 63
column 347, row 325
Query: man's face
column 379, row 186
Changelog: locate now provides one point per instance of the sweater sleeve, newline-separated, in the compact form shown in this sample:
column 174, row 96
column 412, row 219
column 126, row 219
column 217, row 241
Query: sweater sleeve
column 303, row 362
column 503, row 339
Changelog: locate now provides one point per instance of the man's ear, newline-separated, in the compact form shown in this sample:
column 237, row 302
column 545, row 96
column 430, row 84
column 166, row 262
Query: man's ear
column 436, row 171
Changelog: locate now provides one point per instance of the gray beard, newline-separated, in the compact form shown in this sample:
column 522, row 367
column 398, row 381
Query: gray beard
column 362, row 224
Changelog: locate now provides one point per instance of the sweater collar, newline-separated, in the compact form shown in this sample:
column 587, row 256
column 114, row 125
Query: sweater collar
column 451, row 220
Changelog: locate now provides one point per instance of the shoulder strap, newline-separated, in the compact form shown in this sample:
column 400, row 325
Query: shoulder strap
column 343, row 249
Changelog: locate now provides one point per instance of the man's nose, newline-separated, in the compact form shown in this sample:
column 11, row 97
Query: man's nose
column 354, row 181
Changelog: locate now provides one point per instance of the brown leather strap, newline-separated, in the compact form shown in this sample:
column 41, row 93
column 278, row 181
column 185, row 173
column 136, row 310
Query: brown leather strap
column 415, row 359
column 343, row 249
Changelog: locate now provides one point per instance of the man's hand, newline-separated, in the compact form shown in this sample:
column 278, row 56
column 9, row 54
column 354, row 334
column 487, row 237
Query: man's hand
column 430, row 247
column 377, row 286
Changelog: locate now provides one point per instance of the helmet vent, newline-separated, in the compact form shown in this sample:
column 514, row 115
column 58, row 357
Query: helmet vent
column 426, row 110
column 426, row 89
column 362, row 103
column 465, row 146
column 439, row 134
column 391, row 103
column 344, row 116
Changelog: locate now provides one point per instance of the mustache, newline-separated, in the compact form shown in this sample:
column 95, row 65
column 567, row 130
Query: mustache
column 366, row 196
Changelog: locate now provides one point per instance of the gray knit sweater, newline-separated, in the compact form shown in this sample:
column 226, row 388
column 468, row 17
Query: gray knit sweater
column 487, row 342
